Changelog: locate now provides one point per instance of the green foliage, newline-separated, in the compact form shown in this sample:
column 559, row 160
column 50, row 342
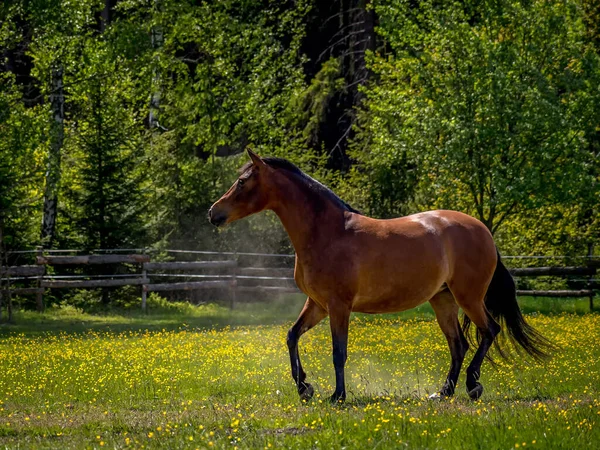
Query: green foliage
column 314, row 101
column 486, row 107
column 21, row 165
column 491, row 102
column 221, row 75
column 227, row 73
column 103, row 177
column 231, row 73
column 563, row 230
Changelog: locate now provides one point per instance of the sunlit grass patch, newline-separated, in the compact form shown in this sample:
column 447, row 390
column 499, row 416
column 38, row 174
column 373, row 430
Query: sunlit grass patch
column 225, row 387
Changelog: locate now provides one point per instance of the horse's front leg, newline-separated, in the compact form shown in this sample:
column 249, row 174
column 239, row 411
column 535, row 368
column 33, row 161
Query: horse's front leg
column 339, row 314
column 311, row 314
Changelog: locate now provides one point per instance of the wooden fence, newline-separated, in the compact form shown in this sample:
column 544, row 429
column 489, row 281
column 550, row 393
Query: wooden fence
column 233, row 272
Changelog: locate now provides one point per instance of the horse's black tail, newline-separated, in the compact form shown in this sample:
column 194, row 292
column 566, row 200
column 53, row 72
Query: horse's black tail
column 501, row 302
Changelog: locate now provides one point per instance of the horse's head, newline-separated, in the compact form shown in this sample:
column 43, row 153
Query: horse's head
column 248, row 195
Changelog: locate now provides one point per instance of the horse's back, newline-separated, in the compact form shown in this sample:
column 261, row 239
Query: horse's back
column 403, row 262
column 463, row 237
column 456, row 232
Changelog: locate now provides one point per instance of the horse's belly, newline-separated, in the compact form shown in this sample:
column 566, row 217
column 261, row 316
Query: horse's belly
column 393, row 302
column 389, row 305
column 396, row 295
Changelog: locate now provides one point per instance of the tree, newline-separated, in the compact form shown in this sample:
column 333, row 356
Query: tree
column 338, row 36
column 53, row 171
column 491, row 101
column 103, row 202
column 229, row 74
column 23, row 131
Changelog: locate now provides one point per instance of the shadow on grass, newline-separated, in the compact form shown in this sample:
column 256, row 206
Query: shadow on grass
column 553, row 306
column 363, row 400
column 69, row 320
column 413, row 398
column 178, row 316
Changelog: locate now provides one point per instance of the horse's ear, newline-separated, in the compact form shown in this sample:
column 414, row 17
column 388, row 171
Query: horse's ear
column 256, row 160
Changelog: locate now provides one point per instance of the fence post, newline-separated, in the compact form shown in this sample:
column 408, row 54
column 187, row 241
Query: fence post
column 9, row 305
column 590, row 282
column 39, row 297
column 143, row 285
column 233, row 288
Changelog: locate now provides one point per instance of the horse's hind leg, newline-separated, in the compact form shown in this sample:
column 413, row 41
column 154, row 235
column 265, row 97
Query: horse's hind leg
column 488, row 333
column 446, row 312
column 488, row 329
column 311, row 315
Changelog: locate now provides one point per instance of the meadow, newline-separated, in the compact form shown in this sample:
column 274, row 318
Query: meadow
column 207, row 377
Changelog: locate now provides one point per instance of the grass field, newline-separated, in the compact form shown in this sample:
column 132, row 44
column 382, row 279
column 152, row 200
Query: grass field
column 205, row 377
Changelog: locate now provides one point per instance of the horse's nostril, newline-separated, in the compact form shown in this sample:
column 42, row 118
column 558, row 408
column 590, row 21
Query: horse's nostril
column 216, row 218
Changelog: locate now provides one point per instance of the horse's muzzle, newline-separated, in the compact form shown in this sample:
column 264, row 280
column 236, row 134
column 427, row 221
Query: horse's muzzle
column 215, row 218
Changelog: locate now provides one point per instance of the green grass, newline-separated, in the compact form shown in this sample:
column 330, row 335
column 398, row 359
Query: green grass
column 207, row 377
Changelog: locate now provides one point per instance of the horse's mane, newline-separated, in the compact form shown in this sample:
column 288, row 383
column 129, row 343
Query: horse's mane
column 314, row 185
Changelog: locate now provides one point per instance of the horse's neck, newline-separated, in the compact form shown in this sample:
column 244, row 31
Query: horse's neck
column 304, row 224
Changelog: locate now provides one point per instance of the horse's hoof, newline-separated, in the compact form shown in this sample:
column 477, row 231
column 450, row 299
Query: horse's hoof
column 337, row 399
column 438, row 396
column 307, row 392
column 444, row 394
column 476, row 392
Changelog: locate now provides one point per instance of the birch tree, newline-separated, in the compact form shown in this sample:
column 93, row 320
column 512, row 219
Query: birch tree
column 53, row 171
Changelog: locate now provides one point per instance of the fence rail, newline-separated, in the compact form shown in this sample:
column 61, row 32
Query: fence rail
column 22, row 271
column 228, row 273
column 190, row 265
column 80, row 284
column 92, row 259
column 552, row 271
column 188, row 286
column 563, row 293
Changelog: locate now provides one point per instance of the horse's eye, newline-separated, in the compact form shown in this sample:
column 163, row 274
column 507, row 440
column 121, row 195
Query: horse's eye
column 240, row 182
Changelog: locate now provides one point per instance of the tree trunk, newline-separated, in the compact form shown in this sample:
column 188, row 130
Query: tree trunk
column 3, row 262
column 106, row 14
column 4, row 284
column 157, row 42
column 106, row 18
column 344, row 30
column 57, row 102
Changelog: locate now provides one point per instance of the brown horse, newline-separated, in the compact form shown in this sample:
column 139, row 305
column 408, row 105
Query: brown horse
column 348, row 262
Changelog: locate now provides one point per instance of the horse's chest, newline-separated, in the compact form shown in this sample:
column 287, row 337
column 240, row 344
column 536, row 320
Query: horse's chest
column 318, row 284
column 306, row 280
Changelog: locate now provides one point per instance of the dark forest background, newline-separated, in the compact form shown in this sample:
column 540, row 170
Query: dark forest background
column 121, row 121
